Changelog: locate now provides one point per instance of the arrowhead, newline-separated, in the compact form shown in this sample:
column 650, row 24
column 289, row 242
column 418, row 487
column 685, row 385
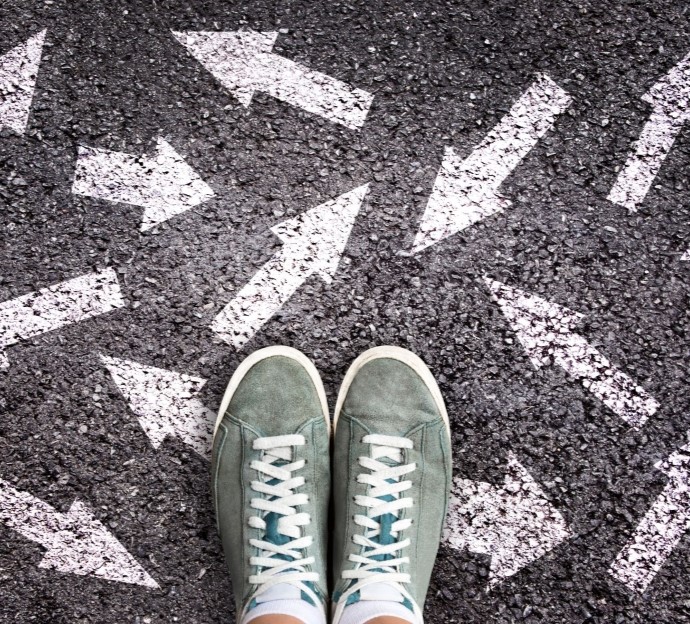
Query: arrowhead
column 231, row 57
column 460, row 197
column 319, row 236
column 514, row 524
column 18, row 71
column 165, row 403
column 686, row 255
column 177, row 185
column 540, row 325
column 672, row 93
column 82, row 545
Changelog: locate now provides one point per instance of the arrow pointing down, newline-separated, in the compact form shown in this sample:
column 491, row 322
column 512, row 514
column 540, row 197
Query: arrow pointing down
column 76, row 542
column 546, row 332
column 18, row 71
column 466, row 191
column 514, row 524
column 164, row 185
column 670, row 101
column 312, row 244
column 165, row 403
column 243, row 63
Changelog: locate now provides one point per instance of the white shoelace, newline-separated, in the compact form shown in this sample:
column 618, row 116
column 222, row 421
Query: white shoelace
column 383, row 480
column 281, row 498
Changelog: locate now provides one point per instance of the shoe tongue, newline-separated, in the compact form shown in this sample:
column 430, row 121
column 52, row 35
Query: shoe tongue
column 381, row 591
column 281, row 591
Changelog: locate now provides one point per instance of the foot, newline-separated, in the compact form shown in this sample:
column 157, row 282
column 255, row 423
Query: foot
column 271, row 483
column 391, row 479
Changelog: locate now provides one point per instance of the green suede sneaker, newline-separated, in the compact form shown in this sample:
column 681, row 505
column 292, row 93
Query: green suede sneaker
column 271, row 485
column 391, row 481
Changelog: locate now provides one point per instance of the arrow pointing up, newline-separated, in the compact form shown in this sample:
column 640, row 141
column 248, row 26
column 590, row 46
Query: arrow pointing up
column 243, row 63
column 466, row 191
column 312, row 244
column 660, row 530
column 514, row 524
column 18, row 71
column 75, row 541
column 670, row 101
column 165, row 403
column 164, row 185
column 546, row 331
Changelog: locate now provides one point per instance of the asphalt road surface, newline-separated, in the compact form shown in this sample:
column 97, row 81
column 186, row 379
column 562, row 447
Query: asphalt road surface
column 569, row 432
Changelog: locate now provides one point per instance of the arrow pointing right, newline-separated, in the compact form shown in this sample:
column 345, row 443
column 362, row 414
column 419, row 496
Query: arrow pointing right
column 165, row 403
column 18, row 71
column 660, row 530
column 670, row 100
column 514, row 524
column 76, row 542
column 313, row 243
column 546, row 331
column 466, row 191
column 164, row 185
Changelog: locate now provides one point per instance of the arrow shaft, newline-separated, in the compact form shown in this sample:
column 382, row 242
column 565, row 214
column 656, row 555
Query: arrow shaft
column 613, row 387
column 29, row 516
column 267, row 292
column 644, row 162
column 50, row 308
column 310, row 90
column 656, row 536
column 115, row 176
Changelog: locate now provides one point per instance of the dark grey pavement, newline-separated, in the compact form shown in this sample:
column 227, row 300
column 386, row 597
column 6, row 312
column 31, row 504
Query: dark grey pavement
column 443, row 74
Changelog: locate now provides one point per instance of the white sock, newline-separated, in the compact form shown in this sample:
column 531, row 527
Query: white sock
column 377, row 600
column 285, row 599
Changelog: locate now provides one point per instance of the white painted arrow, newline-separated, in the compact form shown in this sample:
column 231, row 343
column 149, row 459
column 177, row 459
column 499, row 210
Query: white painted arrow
column 76, row 542
column 165, row 403
column 63, row 304
column 670, row 101
column 546, row 331
column 18, row 71
column 243, row 63
column 466, row 191
column 313, row 243
column 686, row 255
column 164, row 185
column 660, row 530
column 514, row 524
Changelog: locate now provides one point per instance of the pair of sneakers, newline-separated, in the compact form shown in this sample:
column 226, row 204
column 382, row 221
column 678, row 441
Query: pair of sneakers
column 389, row 480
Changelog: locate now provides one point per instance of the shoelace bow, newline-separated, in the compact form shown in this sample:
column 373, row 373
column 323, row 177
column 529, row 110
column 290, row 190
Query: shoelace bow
column 280, row 562
column 380, row 560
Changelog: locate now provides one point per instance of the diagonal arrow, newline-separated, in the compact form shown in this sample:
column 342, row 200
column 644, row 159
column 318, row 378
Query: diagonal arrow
column 243, row 63
column 76, row 542
column 660, row 530
column 546, row 331
column 514, row 524
column 670, row 101
column 165, row 403
column 312, row 244
column 466, row 191
column 18, row 71
column 164, row 185
column 48, row 309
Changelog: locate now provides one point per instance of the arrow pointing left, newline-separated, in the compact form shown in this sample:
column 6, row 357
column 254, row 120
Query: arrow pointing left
column 76, row 542
column 164, row 184
column 165, row 403
column 514, row 524
column 312, row 244
column 18, row 71
column 48, row 309
column 546, row 331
